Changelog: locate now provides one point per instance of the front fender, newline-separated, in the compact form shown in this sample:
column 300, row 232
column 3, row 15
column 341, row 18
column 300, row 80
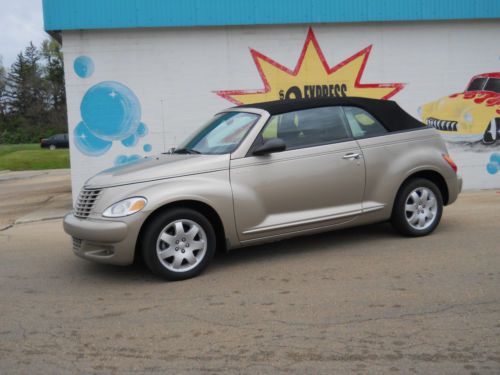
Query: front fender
column 212, row 189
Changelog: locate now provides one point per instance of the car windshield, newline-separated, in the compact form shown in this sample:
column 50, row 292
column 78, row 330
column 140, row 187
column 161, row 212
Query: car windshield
column 477, row 84
column 485, row 84
column 221, row 135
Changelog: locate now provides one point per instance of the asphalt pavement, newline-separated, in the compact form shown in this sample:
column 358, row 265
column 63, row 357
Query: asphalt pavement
column 357, row 301
column 30, row 196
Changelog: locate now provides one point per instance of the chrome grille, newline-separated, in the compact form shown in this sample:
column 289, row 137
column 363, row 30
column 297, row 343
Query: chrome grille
column 85, row 202
column 446, row 126
column 77, row 244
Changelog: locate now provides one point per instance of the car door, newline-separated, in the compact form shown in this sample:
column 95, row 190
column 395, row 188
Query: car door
column 318, row 181
column 381, row 151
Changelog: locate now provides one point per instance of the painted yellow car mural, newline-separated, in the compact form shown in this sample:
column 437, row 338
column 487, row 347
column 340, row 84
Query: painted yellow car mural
column 469, row 116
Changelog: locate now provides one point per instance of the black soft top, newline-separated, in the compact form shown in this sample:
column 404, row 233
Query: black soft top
column 392, row 116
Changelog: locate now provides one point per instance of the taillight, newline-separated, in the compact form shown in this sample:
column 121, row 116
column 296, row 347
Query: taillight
column 450, row 162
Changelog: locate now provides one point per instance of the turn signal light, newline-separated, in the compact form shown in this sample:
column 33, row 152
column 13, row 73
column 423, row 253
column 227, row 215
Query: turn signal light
column 450, row 162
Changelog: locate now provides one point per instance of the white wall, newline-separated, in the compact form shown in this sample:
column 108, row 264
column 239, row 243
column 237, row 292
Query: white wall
column 174, row 73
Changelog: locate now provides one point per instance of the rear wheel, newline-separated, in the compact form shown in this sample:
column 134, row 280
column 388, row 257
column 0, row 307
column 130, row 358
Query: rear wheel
column 178, row 244
column 418, row 208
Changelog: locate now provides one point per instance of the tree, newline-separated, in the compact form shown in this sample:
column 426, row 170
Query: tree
column 54, row 76
column 3, row 83
column 32, row 95
column 25, row 85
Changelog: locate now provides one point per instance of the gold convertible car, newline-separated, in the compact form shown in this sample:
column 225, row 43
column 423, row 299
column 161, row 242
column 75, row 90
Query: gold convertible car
column 264, row 172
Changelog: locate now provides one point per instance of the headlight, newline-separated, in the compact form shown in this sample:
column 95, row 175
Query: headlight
column 468, row 117
column 125, row 207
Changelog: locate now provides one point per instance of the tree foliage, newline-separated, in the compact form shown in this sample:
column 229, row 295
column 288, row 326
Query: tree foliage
column 3, row 80
column 32, row 95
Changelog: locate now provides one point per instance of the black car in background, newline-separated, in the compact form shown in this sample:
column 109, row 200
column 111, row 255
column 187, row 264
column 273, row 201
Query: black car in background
column 56, row 141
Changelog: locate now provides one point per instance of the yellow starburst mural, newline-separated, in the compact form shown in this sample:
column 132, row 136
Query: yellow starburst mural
column 311, row 78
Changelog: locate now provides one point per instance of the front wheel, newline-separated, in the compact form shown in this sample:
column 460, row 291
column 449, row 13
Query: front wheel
column 418, row 208
column 178, row 244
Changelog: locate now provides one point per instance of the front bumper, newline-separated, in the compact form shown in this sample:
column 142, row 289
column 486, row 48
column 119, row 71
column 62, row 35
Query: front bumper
column 456, row 131
column 105, row 241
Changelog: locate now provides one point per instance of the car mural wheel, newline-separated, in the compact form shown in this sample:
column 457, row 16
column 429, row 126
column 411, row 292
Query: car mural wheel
column 418, row 208
column 492, row 132
column 52, row 147
column 178, row 244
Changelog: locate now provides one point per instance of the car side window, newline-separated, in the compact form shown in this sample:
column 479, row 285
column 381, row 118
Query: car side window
column 362, row 123
column 493, row 84
column 307, row 128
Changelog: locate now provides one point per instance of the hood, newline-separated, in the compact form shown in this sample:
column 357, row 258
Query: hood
column 158, row 168
column 447, row 108
column 457, row 106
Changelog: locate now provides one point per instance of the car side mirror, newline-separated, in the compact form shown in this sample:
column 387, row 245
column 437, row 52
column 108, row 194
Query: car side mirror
column 270, row 146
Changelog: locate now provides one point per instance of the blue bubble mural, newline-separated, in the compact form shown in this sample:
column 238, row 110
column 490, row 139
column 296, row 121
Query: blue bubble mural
column 130, row 141
column 83, row 66
column 110, row 112
column 147, row 147
column 124, row 159
column 142, row 130
column 88, row 143
column 494, row 164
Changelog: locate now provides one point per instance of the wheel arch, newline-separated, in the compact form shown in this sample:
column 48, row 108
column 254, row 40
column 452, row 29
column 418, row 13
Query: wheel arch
column 432, row 176
column 203, row 208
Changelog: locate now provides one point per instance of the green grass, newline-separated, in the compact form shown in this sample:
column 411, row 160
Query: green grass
column 31, row 157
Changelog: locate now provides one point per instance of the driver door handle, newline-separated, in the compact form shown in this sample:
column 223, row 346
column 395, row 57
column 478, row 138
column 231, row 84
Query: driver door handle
column 351, row 155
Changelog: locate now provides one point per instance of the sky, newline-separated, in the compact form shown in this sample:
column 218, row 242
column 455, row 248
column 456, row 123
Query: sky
column 22, row 22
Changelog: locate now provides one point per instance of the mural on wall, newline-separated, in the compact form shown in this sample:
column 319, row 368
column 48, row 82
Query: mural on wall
column 470, row 120
column 470, row 116
column 83, row 66
column 312, row 78
column 493, row 165
column 110, row 112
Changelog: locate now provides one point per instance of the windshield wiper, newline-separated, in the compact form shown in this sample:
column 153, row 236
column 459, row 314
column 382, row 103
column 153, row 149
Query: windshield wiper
column 185, row 151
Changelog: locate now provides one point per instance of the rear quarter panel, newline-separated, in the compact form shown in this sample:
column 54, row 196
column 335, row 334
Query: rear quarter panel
column 392, row 158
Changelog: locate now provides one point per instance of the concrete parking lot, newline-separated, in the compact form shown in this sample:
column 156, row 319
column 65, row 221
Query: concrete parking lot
column 28, row 196
column 358, row 301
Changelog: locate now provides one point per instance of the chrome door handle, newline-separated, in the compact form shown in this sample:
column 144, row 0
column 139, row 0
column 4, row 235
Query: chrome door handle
column 351, row 155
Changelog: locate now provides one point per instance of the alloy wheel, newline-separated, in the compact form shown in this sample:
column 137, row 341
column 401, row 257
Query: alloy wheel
column 181, row 245
column 421, row 208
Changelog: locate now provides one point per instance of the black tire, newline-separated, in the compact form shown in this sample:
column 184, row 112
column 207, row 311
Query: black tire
column 400, row 218
column 489, row 137
column 150, row 239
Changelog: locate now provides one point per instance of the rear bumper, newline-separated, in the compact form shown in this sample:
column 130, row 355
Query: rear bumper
column 104, row 241
column 454, row 188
